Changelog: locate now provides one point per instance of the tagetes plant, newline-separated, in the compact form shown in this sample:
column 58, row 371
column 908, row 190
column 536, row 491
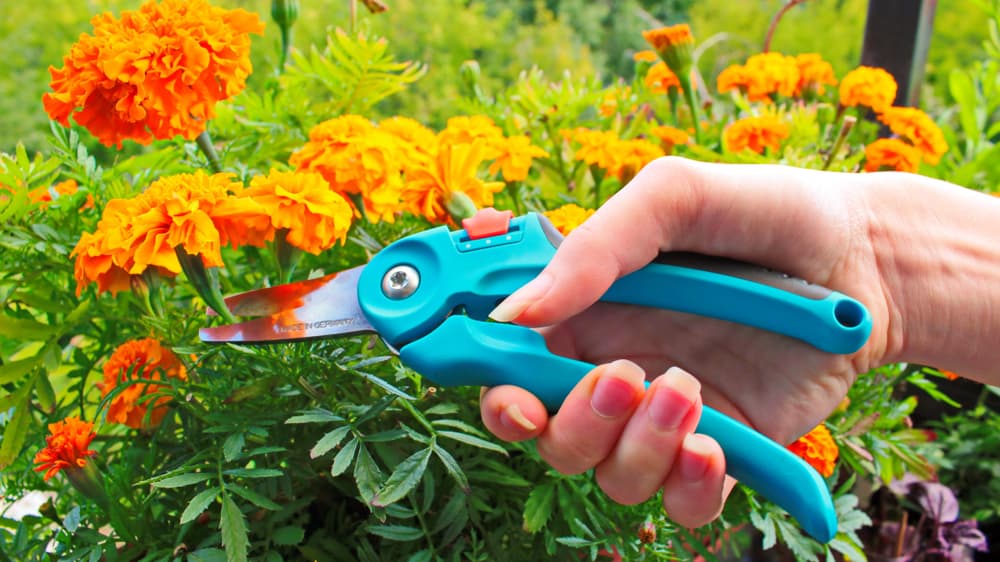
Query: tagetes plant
column 155, row 446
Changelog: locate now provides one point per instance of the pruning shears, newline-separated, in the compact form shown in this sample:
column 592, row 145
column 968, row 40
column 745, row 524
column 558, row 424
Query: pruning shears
column 428, row 296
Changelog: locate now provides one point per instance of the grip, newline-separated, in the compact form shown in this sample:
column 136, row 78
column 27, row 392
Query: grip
column 463, row 351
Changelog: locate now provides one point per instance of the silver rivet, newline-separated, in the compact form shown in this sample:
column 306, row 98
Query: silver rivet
column 400, row 282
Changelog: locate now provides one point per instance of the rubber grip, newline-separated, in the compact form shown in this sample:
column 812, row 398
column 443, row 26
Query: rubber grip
column 463, row 351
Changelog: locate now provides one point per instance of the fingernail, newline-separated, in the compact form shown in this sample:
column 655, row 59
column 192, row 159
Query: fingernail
column 514, row 418
column 694, row 457
column 613, row 397
column 673, row 398
column 517, row 303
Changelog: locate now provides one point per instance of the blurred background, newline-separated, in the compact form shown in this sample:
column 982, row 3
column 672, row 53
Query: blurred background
column 506, row 37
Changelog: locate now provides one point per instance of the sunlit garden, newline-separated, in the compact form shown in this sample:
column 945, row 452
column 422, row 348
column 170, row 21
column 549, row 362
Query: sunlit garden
column 157, row 157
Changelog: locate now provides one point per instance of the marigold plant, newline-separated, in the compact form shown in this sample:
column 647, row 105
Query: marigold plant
column 130, row 374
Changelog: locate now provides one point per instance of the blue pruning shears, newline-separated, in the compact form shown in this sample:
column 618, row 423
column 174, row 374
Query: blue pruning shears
column 428, row 296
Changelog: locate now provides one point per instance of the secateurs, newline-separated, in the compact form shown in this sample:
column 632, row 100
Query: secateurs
column 428, row 296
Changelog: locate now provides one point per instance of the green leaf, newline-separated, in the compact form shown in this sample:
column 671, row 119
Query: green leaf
column 288, row 536
column 232, row 448
column 964, row 91
column 254, row 472
column 315, row 416
column 253, row 497
column 13, row 371
column 474, row 441
column 342, row 461
column 329, row 441
column 403, row 479
column 452, row 466
column 207, row 555
column 367, row 474
column 16, row 430
column 424, row 555
column 442, row 409
column 400, row 533
column 765, row 524
column 182, row 480
column 538, row 508
column 234, row 530
column 452, row 513
column 24, row 329
column 198, row 504
column 575, row 542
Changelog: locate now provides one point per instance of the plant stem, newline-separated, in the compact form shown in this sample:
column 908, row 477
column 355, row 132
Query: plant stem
column 598, row 176
column 901, row 535
column 692, row 102
column 286, row 47
column 208, row 149
column 774, row 22
column 845, row 129
column 353, row 23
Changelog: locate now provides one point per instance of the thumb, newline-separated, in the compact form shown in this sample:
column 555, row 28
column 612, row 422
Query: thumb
column 755, row 213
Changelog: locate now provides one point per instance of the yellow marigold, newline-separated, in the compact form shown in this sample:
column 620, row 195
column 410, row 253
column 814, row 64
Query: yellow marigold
column 66, row 446
column 917, row 127
column 416, row 141
column 153, row 73
column 670, row 136
column 595, row 148
column 645, row 56
column 467, row 129
column 302, row 204
column 660, row 79
column 356, row 158
column 428, row 189
column 516, row 154
column 630, row 156
column 45, row 195
column 814, row 73
column 869, row 87
column 891, row 154
column 755, row 133
column 568, row 217
column 133, row 366
column 818, row 449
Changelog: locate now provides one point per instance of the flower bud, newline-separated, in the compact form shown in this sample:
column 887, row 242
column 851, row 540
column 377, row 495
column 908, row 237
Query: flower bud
column 284, row 12
column 460, row 206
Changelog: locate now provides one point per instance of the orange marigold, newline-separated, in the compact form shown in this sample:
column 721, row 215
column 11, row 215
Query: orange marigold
column 66, row 447
column 818, row 449
column 596, row 148
column 132, row 366
column 891, row 154
column 96, row 252
column 467, row 129
column 429, row 189
column 763, row 74
column 670, row 136
column 918, row 128
column 568, row 217
column 302, row 204
column 416, row 141
column 660, row 79
column 516, row 155
column 814, row 73
column 869, row 87
column 670, row 36
column 45, row 195
column 630, row 156
column 645, row 56
column 755, row 133
column 356, row 158
column 153, row 73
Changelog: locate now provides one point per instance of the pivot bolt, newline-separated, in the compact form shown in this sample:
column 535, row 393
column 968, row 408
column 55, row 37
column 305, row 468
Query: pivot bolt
column 400, row 282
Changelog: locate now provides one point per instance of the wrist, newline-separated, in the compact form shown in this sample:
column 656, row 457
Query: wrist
column 937, row 250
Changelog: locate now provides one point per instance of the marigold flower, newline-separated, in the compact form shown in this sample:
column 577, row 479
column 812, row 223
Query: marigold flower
column 670, row 136
column 139, row 360
column 755, row 133
column 917, row 127
column 818, row 449
column 869, row 87
column 153, row 73
column 675, row 45
column 630, row 156
column 95, row 252
column 44, row 195
column 302, row 204
column 429, row 189
column 595, row 147
column 660, row 79
column 467, row 129
column 516, row 154
column 814, row 72
column 356, row 158
column 416, row 141
column 568, row 217
column 763, row 74
column 66, row 447
column 891, row 154
column 645, row 56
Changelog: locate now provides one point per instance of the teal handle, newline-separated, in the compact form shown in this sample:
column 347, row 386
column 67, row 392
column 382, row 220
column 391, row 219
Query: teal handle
column 464, row 351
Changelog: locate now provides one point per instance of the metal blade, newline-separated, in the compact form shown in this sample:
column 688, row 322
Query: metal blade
column 318, row 308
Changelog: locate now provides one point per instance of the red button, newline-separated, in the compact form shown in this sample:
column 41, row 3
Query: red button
column 487, row 222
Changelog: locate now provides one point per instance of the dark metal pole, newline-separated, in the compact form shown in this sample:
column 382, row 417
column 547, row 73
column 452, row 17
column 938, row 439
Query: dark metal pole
column 897, row 37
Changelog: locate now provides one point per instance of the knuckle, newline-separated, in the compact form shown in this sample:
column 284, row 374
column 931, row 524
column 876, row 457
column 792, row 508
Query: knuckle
column 567, row 454
column 621, row 490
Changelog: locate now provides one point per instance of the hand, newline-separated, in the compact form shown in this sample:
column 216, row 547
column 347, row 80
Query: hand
column 813, row 225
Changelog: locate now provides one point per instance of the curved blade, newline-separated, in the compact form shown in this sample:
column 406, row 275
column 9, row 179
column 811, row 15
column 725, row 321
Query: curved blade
column 316, row 308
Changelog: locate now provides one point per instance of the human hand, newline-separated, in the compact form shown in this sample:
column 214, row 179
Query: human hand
column 806, row 223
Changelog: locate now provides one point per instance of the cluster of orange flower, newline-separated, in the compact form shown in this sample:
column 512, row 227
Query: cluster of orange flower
column 400, row 165
column 568, row 217
column 818, row 449
column 766, row 74
column 200, row 214
column 619, row 158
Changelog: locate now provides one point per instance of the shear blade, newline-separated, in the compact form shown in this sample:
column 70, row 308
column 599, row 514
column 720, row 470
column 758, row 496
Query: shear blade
column 316, row 308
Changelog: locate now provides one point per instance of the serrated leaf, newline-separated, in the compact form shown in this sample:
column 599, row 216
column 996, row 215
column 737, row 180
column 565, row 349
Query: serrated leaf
column 538, row 508
column 765, row 524
column 330, row 440
column 453, row 468
column 288, row 536
column 342, row 461
column 367, row 474
column 232, row 447
column 403, row 479
column 198, row 504
column 182, row 480
column 253, row 497
column 402, row 533
column 234, row 530
column 474, row 441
